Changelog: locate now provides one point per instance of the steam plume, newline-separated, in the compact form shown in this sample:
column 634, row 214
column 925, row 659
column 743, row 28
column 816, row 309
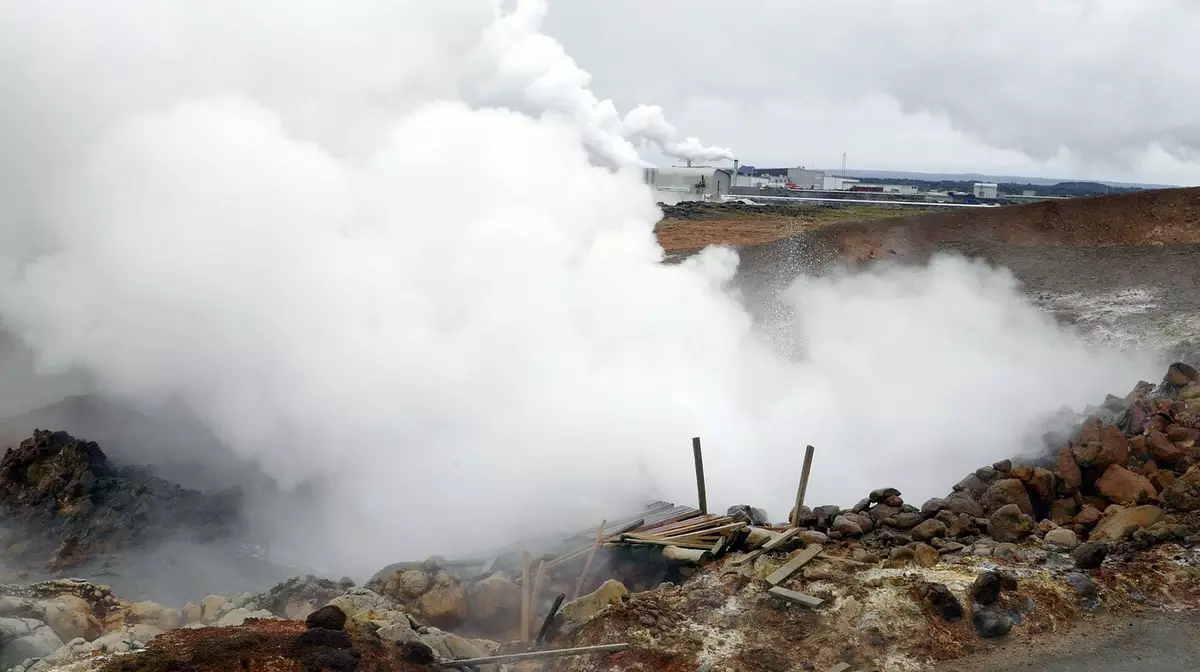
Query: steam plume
column 300, row 223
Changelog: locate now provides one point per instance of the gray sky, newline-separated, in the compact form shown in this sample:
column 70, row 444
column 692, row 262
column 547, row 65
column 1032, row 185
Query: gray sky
column 1101, row 89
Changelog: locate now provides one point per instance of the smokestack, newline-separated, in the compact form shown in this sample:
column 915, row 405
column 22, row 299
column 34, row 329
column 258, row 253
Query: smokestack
column 735, row 166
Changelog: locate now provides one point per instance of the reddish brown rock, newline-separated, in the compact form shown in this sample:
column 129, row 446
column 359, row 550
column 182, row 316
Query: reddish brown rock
column 1161, row 480
column 1088, row 516
column 1008, row 524
column 1184, row 493
column 1161, row 448
column 1178, row 434
column 1125, row 487
column 1124, row 522
column 1041, row 484
column 1114, row 447
column 1023, row 472
column 1063, row 510
column 1068, row 474
column 1180, row 374
column 1137, row 446
column 1007, row 491
column 924, row 554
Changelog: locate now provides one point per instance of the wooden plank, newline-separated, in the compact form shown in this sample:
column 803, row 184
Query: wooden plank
column 799, row 598
column 587, row 566
column 840, row 667
column 549, row 619
column 699, row 459
column 660, row 542
column 537, row 591
column 525, row 596
column 783, row 573
column 771, row 545
column 808, row 458
column 533, row 655
column 706, row 531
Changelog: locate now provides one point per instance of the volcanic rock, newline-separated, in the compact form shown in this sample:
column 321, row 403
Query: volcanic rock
column 1090, row 555
column 924, row 554
column 882, row 494
column 296, row 598
column 1088, row 516
column 990, row 625
column 1006, row 492
column 847, row 527
column 1063, row 510
column 582, row 609
column 986, row 588
column 928, row 530
column 748, row 514
column 1061, row 539
column 1041, row 484
column 328, row 617
column 943, row 601
column 1082, row 584
column 1123, row 523
column 1184, row 493
column 496, row 596
column 1100, row 446
column 1162, row 449
column 66, row 495
column 903, row 520
column 1008, row 523
column 1180, row 374
column 1123, row 486
column 445, row 606
column 23, row 638
column 1162, row 480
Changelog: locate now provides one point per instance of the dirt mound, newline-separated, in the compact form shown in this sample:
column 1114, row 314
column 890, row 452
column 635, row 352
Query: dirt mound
column 263, row 646
column 65, row 501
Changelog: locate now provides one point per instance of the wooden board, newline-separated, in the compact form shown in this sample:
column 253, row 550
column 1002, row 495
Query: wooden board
column 783, row 573
column 840, row 667
column 799, row 598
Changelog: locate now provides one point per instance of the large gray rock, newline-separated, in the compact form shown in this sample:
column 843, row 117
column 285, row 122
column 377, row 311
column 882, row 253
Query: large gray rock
column 22, row 638
column 1009, row 524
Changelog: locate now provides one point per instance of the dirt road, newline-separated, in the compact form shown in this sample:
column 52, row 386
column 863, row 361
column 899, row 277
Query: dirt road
column 1159, row 643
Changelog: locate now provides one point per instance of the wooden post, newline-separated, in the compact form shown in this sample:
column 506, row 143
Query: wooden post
column 532, row 655
column 587, row 565
column 525, row 593
column 537, row 592
column 808, row 457
column 699, row 474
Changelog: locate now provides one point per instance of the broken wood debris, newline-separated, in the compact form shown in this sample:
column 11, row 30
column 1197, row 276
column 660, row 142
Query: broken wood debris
column 799, row 598
column 769, row 546
column 840, row 667
column 792, row 566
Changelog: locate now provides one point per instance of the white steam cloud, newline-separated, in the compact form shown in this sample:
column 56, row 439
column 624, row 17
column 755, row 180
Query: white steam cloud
column 299, row 221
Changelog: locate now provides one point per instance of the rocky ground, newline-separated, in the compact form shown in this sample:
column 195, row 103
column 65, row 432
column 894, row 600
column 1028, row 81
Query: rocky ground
column 1018, row 555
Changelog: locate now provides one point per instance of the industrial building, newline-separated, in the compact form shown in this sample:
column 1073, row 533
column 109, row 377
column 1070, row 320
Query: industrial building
column 801, row 178
column 986, row 190
column 690, row 181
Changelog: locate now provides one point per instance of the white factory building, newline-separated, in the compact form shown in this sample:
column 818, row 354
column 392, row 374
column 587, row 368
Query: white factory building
column 690, row 181
column 986, row 190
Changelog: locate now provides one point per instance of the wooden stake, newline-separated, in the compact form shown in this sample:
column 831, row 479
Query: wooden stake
column 799, row 598
column 537, row 591
column 808, row 457
column 525, row 605
column 534, row 655
column 699, row 474
column 587, row 566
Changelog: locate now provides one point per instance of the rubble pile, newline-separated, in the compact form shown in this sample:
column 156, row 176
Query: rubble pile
column 1108, row 521
column 62, row 501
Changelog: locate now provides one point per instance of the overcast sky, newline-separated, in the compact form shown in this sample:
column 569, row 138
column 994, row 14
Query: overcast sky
column 1098, row 89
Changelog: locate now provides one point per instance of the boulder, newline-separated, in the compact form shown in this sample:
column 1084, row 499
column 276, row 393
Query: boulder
column 928, row 530
column 1124, row 522
column 1069, row 476
column 904, row 520
column 1090, row 555
column 814, row 537
column 1162, row 449
column 496, row 596
column 1041, row 484
column 961, row 502
column 924, row 554
column 1184, row 493
column 1183, row 437
column 846, row 526
column 1009, row 523
column 445, row 606
column 990, row 625
column 241, row 615
column 1162, row 480
column 1088, row 516
column 748, row 514
column 328, row 617
column 1061, row 539
column 153, row 614
column 1063, row 510
column 22, row 638
column 942, row 600
column 583, row 609
column 882, row 494
column 1006, row 492
column 1100, row 446
column 1180, row 374
column 1124, row 486
column 986, row 588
